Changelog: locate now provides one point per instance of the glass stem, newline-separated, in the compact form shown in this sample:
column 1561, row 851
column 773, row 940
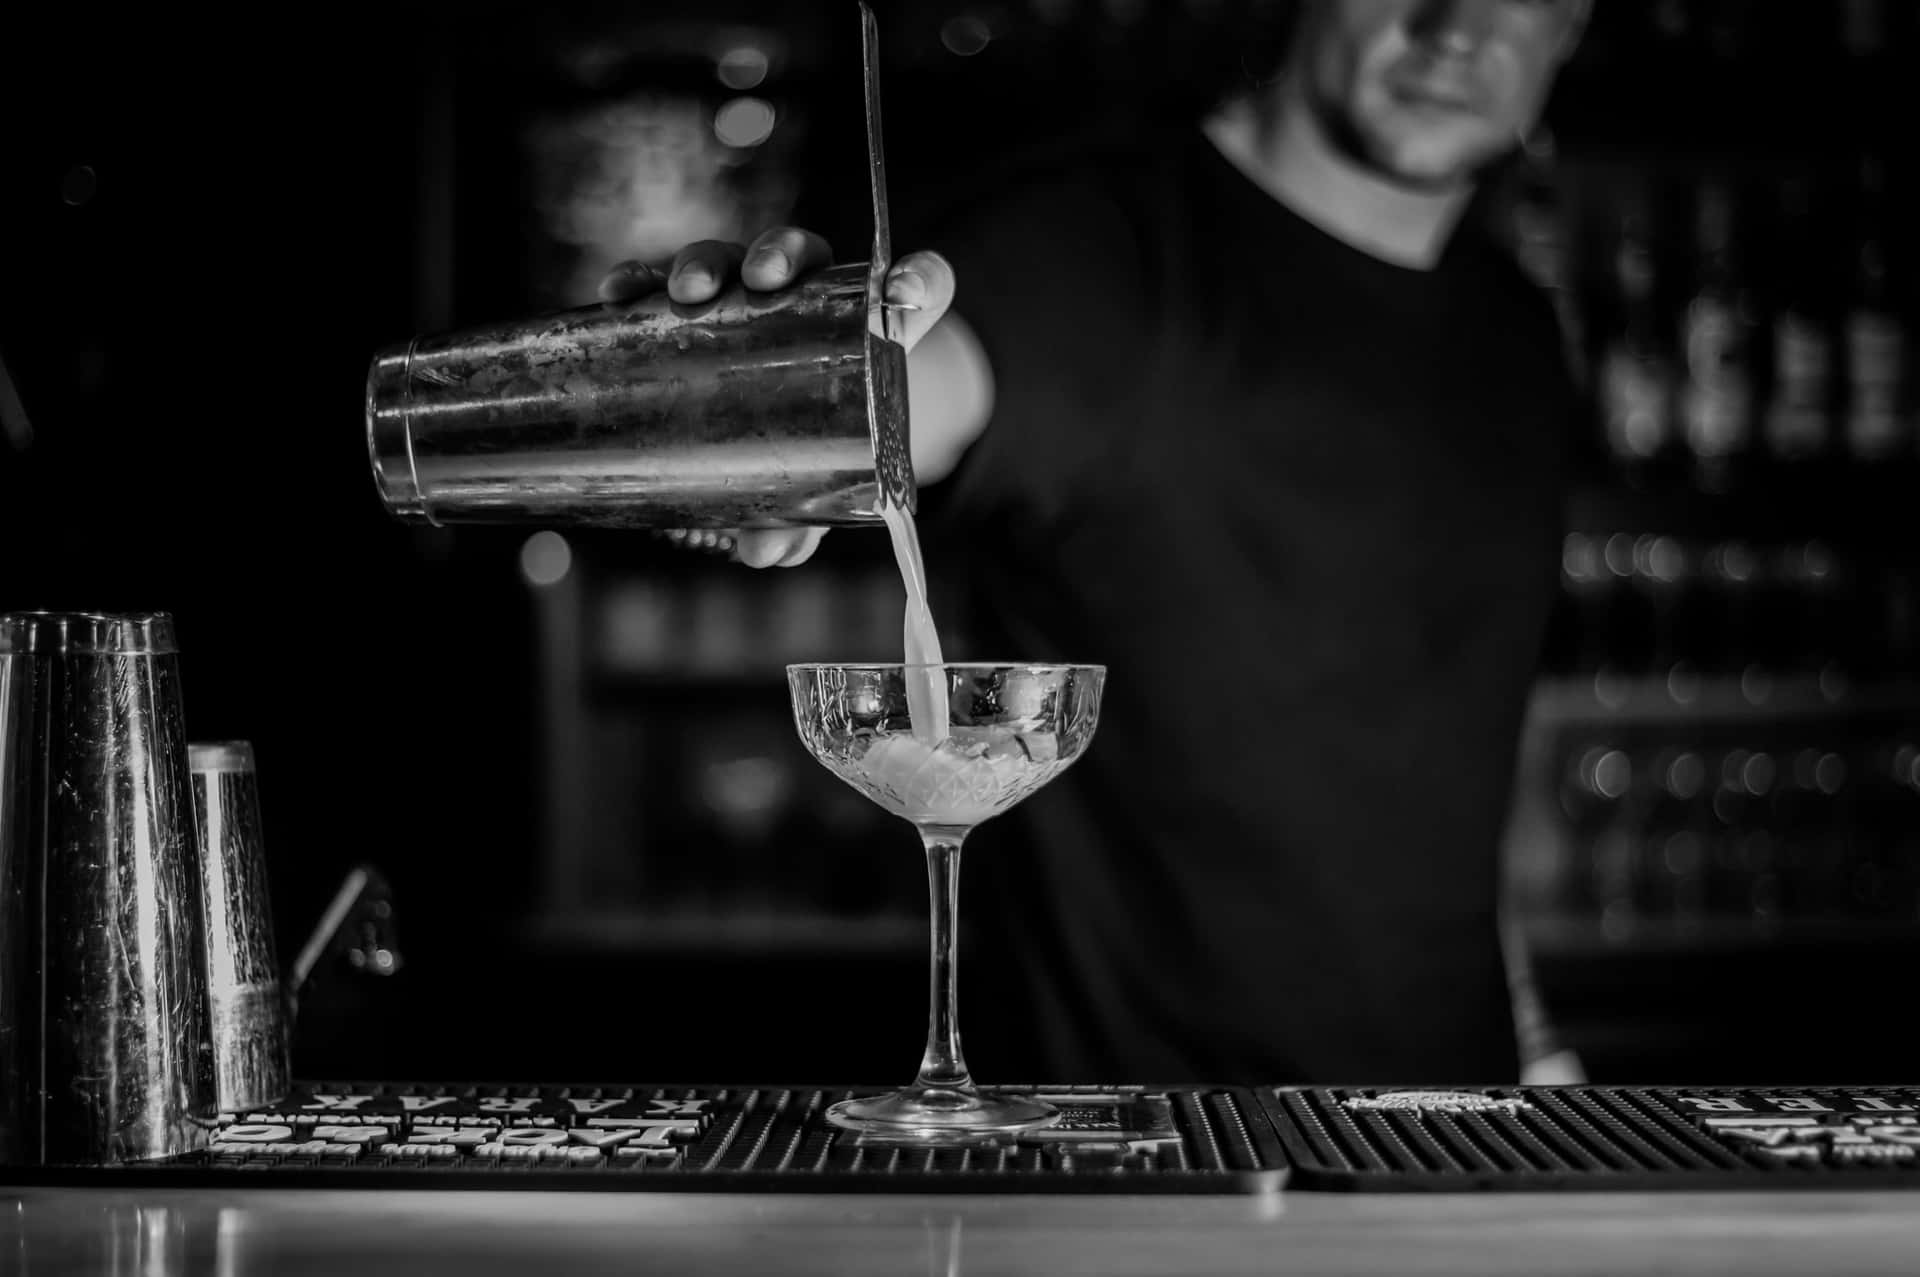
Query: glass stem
column 943, row 1067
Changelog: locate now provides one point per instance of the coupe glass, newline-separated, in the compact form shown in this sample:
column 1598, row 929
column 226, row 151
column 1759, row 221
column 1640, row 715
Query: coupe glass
column 1012, row 729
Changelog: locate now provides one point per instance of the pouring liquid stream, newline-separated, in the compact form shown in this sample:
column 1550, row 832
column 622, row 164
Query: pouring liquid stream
column 927, row 706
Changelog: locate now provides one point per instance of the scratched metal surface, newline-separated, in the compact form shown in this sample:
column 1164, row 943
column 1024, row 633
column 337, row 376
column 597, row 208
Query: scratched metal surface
column 105, row 1053
column 749, row 411
column 250, row 1017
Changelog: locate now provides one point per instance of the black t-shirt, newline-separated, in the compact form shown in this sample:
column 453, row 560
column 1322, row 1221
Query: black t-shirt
column 1304, row 505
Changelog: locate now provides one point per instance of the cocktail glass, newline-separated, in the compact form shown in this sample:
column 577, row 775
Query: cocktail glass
column 1009, row 730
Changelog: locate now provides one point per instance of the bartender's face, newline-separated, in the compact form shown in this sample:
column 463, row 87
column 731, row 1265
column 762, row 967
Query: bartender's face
column 1426, row 92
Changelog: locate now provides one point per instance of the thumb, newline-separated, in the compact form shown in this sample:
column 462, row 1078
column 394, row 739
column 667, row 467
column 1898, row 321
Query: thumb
column 777, row 547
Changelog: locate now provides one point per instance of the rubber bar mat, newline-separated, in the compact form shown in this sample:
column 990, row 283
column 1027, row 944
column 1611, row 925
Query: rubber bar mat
column 1365, row 1139
column 705, row 1139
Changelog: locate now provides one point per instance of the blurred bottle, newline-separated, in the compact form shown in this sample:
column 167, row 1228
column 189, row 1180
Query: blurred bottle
column 721, row 636
column 1726, row 27
column 801, row 620
column 1576, row 628
column 1730, row 581
column 1800, row 402
column 1874, row 336
column 1595, row 794
column 1671, row 23
column 1900, row 826
column 1865, row 26
column 744, row 783
column 1745, row 875
column 1744, row 806
column 1542, row 243
column 1699, row 620
column 1636, row 373
column 1774, row 641
column 1629, row 621
column 1797, row 623
column 1717, row 340
column 639, row 632
column 1878, row 882
column 1661, row 573
column 1877, row 626
column 1674, row 846
column 1807, row 807
column 1902, row 623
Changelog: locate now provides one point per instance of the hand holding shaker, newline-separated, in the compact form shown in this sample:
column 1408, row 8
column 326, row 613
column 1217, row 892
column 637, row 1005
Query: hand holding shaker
column 105, row 1049
column 756, row 410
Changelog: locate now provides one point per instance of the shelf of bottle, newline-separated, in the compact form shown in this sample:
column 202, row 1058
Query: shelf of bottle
column 671, row 686
column 1615, row 698
column 1701, row 100
column 1556, row 699
column 741, row 932
column 1585, row 937
column 667, row 685
column 906, row 936
column 1777, row 500
column 1671, row 131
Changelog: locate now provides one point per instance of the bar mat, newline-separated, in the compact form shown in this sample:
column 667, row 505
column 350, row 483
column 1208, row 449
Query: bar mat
column 1366, row 1139
column 705, row 1139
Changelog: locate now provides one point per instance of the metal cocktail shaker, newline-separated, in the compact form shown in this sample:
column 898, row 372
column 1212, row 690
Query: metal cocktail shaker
column 105, row 1052
column 252, row 1034
column 756, row 410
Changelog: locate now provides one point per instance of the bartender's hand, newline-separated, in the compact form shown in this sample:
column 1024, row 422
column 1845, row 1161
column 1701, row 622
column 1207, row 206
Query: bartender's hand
column 921, row 284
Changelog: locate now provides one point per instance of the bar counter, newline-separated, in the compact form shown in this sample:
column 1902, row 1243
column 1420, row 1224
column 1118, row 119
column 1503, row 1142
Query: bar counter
column 155, row 1233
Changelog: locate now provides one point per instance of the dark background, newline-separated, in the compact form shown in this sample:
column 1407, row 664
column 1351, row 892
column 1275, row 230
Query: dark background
column 208, row 224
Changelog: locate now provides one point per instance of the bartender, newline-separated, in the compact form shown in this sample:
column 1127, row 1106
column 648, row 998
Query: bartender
column 1249, row 410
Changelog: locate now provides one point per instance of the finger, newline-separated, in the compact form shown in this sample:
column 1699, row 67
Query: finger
column 701, row 270
column 708, row 539
column 782, row 255
column 803, row 548
column 920, row 287
column 763, row 549
column 629, row 281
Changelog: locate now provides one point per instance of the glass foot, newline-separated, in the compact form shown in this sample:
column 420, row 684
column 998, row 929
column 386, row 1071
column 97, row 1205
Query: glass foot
column 937, row 1113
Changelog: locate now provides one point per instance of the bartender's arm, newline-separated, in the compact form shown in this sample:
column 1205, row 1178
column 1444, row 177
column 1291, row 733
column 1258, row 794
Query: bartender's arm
column 949, row 382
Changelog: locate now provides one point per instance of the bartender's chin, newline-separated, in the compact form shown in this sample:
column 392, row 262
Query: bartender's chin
column 1418, row 163
column 1427, row 172
column 1431, row 165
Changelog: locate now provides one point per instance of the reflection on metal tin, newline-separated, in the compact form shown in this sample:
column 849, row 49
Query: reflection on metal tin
column 105, row 1053
column 250, row 1020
